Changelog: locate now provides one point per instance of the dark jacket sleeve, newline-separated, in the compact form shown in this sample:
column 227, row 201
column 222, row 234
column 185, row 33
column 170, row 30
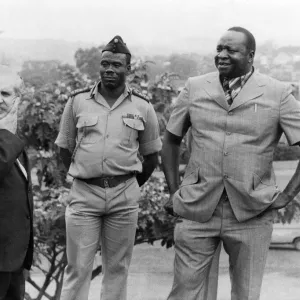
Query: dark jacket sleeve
column 10, row 149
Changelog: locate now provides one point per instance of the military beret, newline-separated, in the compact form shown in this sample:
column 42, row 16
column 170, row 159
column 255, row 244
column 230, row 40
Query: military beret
column 116, row 45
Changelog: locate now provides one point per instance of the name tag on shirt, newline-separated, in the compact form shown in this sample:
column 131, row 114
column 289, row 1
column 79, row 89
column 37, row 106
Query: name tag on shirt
column 133, row 116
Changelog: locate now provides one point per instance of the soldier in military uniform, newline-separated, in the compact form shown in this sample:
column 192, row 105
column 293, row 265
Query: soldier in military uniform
column 102, row 131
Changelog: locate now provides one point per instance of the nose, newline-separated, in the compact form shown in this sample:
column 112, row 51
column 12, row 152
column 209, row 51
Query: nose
column 222, row 53
column 109, row 69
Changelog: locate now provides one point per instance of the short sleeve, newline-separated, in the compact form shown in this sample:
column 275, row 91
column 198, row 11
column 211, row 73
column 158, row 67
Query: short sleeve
column 67, row 132
column 290, row 116
column 149, row 139
column 179, row 121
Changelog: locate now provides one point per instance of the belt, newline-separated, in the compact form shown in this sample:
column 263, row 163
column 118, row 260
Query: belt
column 107, row 182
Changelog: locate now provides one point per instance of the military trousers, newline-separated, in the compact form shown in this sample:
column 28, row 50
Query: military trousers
column 97, row 216
column 246, row 244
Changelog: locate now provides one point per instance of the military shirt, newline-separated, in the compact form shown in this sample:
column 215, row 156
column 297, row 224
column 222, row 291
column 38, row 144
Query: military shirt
column 106, row 140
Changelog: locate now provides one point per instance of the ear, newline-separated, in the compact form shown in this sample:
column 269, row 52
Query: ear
column 251, row 56
column 128, row 68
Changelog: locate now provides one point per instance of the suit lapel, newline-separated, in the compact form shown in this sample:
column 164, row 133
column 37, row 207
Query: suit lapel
column 215, row 90
column 251, row 90
column 25, row 163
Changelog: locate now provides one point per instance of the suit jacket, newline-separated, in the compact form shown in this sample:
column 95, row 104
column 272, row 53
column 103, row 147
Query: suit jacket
column 232, row 147
column 16, row 206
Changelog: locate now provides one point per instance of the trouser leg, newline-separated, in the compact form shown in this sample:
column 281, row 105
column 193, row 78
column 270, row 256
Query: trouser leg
column 82, row 232
column 211, row 286
column 195, row 246
column 117, row 241
column 247, row 245
column 12, row 285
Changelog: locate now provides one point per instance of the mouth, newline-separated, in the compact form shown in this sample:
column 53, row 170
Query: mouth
column 109, row 78
column 3, row 108
column 223, row 64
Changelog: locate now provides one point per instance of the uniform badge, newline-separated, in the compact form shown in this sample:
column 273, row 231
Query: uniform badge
column 133, row 116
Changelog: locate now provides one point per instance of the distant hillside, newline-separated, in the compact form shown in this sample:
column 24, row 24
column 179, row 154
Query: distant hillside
column 167, row 46
column 16, row 51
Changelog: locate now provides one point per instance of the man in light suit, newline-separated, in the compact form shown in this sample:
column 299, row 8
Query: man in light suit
column 16, row 239
column 229, row 191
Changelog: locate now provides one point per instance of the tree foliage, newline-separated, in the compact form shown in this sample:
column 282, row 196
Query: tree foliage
column 49, row 240
column 184, row 65
column 39, row 73
column 40, row 112
column 153, row 223
column 88, row 61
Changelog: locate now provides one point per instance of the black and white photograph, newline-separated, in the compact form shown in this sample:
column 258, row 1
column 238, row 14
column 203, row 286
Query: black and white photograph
column 149, row 150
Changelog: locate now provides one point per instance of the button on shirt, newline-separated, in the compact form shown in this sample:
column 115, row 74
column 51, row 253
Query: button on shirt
column 105, row 140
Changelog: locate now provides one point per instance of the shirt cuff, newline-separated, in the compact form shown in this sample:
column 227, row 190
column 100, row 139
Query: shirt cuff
column 150, row 147
column 174, row 130
column 62, row 142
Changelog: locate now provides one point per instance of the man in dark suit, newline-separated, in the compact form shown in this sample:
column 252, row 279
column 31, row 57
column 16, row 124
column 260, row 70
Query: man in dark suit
column 16, row 238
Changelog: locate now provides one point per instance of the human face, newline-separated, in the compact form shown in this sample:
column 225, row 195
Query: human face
column 8, row 82
column 233, row 58
column 113, row 69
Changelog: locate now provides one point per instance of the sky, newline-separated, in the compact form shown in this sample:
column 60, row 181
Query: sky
column 150, row 22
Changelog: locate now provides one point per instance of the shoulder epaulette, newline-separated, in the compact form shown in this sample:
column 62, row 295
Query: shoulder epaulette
column 140, row 95
column 79, row 91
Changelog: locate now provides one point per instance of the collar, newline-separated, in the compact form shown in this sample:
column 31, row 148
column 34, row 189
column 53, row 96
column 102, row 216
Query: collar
column 243, row 78
column 95, row 89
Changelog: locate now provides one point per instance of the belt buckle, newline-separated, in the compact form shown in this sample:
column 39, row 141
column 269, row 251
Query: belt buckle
column 106, row 182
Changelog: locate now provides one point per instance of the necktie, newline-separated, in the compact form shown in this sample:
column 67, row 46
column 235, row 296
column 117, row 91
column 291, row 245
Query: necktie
column 231, row 88
column 227, row 91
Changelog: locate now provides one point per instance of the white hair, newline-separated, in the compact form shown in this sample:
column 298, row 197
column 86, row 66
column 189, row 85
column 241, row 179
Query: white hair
column 12, row 75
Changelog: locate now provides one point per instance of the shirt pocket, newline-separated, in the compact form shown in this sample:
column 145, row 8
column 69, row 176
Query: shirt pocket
column 87, row 129
column 131, row 128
